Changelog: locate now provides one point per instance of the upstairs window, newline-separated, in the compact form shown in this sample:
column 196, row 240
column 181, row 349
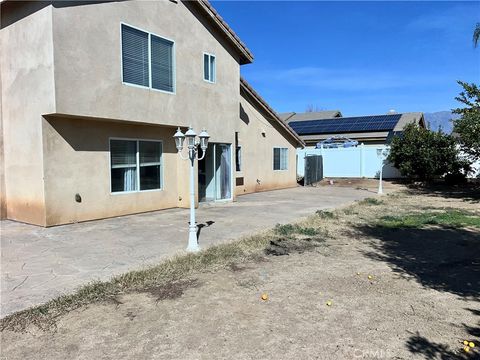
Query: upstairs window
column 162, row 63
column 209, row 71
column 280, row 158
column 147, row 60
column 135, row 56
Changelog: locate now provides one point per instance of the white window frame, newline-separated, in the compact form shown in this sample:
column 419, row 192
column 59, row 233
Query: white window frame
column 137, row 165
column 214, row 68
column 273, row 158
column 174, row 62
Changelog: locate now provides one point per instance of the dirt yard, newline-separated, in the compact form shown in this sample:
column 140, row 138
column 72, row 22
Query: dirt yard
column 396, row 277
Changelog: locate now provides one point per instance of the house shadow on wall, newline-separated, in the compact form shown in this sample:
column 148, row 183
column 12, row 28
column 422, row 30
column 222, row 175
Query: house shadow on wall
column 87, row 134
column 243, row 115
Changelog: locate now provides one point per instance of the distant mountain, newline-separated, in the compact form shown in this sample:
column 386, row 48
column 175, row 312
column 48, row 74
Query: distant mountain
column 440, row 120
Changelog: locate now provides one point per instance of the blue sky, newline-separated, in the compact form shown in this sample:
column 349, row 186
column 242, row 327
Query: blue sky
column 359, row 57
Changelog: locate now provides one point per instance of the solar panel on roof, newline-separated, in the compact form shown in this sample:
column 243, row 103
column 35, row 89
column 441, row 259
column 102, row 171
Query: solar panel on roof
column 344, row 125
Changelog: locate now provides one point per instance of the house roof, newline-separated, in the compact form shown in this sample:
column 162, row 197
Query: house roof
column 248, row 89
column 210, row 12
column 316, row 115
column 286, row 116
column 360, row 125
column 408, row 118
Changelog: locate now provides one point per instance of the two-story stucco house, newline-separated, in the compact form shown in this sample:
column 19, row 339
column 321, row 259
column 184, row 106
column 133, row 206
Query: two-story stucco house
column 92, row 93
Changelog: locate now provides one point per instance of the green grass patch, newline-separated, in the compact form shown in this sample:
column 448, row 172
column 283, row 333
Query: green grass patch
column 350, row 211
column 448, row 218
column 290, row 229
column 370, row 201
column 325, row 214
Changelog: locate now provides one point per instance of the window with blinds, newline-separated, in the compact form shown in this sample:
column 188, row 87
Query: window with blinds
column 280, row 158
column 135, row 56
column 147, row 60
column 209, row 68
column 162, row 63
column 135, row 165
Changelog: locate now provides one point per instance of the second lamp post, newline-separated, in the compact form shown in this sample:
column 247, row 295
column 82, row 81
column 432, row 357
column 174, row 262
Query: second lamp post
column 382, row 154
column 192, row 145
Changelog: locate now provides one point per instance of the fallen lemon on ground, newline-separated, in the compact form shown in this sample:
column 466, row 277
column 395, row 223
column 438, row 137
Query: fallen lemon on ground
column 471, row 344
column 329, row 303
column 466, row 348
column 370, row 277
column 358, row 273
column 264, row 297
column 465, row 342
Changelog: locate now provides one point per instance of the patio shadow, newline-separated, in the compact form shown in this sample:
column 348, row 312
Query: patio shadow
column 201, row 226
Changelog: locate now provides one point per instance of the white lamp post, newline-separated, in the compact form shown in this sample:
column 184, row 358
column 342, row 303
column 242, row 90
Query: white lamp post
column 382, row 155
column 192, row 145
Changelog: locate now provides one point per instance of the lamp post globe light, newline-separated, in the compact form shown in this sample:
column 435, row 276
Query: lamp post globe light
column 382, row 154
column 192, row 146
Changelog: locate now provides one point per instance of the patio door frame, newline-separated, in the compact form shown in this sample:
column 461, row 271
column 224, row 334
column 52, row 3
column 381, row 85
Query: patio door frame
column 214, row 144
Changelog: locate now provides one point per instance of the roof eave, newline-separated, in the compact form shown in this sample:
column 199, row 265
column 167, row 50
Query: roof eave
column 249, row 90
column 246, row 56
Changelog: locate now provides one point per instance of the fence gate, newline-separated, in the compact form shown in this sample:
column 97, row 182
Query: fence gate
column 313, row 169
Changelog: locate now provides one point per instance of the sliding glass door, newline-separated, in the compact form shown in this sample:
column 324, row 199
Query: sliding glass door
column 215, row 173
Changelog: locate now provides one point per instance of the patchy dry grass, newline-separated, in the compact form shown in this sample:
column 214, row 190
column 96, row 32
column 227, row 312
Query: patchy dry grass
column 172, row 276
column 291, row 229
column 448, row 218
column 371, row 201
column 421, row 249
column 166, row 275
column 325, row 214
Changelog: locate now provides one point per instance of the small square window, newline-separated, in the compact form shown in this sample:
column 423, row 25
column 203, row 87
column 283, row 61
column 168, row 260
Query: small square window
column 209, row 68
column 280, row 159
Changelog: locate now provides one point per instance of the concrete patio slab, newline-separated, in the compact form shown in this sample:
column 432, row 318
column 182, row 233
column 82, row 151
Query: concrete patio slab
column 38, row 264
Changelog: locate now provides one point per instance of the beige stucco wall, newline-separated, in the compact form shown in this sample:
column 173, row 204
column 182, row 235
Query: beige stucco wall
column 77, row 161
column 257, row 151
column 3, row 196
column 26, row 65
column 63, row 98
column 88, row 80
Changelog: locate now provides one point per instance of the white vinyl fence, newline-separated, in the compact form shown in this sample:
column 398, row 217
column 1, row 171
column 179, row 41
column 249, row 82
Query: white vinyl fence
column 354, row 162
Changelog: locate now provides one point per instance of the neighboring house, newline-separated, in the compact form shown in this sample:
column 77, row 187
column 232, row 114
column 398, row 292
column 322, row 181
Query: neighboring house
column 369, row 130
column 92, row 93
column 312, row 115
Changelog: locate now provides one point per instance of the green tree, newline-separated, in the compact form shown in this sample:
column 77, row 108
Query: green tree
column 468, row 126
column 421, row 154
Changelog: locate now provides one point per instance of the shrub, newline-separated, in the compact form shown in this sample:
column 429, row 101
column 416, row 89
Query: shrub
column 424, row 155
column 468, row 126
